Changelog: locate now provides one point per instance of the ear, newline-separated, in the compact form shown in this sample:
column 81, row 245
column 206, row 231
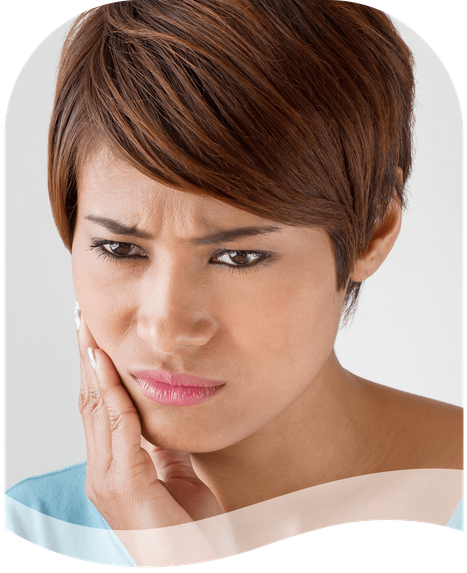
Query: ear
column 380, row 245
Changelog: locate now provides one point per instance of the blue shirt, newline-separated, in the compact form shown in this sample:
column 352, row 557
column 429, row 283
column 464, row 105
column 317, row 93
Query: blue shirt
column 53, row 511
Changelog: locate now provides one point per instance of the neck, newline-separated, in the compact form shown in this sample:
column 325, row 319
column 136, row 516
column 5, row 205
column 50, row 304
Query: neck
column 315, row 440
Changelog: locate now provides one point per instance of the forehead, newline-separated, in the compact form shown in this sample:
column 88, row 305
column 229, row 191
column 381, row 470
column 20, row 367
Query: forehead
column 111, row 187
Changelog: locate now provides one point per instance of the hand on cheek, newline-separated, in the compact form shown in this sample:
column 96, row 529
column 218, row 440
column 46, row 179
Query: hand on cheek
column 121, row 476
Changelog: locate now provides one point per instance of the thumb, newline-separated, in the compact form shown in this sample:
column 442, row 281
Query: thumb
column 176, row 473
column 170, row 464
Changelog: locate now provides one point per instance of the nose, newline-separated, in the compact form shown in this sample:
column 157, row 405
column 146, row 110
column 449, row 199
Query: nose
column 174, row 313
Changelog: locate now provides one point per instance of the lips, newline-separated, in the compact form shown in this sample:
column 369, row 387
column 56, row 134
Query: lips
column 173, row 379
column 176, row 389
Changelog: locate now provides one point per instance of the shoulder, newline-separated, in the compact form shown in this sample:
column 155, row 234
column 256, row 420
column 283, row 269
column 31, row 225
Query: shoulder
column 425, row 433
column 60, row 494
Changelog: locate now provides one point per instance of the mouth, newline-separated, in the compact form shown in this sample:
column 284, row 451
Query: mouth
column 176, row 389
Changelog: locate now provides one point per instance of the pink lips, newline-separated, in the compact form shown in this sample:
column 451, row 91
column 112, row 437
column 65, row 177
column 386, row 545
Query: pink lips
column 175, row 389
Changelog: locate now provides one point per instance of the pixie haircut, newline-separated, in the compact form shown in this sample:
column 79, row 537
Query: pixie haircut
column 299, row 111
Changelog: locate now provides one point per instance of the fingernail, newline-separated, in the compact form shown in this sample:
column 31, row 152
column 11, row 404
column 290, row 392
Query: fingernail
column 92, row 358
column 77, row 316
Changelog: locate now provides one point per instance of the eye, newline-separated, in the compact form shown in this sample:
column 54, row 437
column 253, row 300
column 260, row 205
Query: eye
column 118, row 250
column 239, row 258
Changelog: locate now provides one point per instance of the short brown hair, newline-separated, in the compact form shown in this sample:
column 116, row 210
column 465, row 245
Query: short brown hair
column 299, row 111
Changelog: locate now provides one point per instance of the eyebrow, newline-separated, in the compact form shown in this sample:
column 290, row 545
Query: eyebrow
column 220, row 236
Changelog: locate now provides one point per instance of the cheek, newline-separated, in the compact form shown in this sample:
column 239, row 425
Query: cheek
column 288, row 318
column 107, row 303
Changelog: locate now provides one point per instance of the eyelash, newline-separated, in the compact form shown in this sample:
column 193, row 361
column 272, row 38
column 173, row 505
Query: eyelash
column 264, row 257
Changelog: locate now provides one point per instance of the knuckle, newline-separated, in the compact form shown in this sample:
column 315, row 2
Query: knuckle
column 82, row 400
column 90, row 402
column 117, row 421
column 83, row 355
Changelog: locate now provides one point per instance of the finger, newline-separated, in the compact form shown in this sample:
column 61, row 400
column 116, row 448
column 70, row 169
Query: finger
column 178, row 476
column 114, row 420
column 150, row 448
column 171, row 464
column 115, row 427
column 92, row 407
column 112, row 424
column 123, row 419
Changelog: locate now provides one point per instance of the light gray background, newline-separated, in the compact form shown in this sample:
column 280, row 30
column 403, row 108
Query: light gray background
column 406, row 334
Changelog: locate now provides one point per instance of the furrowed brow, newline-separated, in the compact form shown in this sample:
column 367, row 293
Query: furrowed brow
column 232, row 234
column 119, row 228
column 221, row 236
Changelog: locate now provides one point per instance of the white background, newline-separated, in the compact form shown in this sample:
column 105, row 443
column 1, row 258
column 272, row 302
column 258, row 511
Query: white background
column 406, row 333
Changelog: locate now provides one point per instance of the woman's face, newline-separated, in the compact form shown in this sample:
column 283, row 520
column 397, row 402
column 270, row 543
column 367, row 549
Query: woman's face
column 257, row 311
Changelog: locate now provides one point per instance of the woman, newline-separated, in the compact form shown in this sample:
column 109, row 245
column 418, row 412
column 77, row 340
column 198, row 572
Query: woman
column 270, row 138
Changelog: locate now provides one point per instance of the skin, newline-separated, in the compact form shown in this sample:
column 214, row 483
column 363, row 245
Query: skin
column 267, row 333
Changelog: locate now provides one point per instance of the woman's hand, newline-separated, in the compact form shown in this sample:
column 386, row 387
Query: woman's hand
column 132, row 483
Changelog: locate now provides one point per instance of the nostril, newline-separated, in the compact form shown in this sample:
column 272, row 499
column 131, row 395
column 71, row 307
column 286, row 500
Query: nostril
column 168, row 337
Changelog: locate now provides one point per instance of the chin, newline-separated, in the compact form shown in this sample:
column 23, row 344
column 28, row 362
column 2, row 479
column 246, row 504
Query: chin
column 183, row 441
column 183, row 445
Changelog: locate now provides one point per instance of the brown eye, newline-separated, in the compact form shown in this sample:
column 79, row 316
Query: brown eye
column 119, row 249
column 239, row 258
